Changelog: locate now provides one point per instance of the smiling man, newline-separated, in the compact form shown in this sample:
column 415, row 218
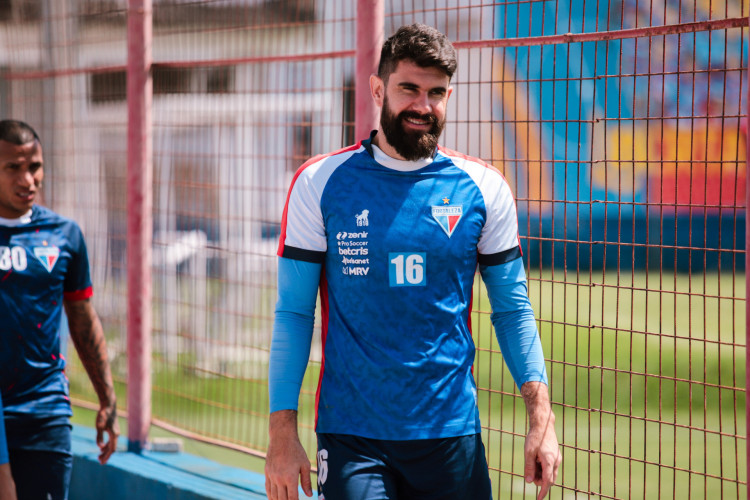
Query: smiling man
column 43, row 268
column 391, row 232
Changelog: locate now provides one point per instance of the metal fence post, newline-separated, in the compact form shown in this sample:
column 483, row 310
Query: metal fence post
column 370, row 22
column 140, row 223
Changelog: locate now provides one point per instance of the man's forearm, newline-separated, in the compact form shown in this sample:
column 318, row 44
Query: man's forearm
column 282, row 423
column 536, row 397
column 514, row 322
column 88, row 337
column 542, row 457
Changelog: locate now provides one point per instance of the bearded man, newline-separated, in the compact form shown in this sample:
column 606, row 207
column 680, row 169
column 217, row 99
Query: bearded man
column 391, row 231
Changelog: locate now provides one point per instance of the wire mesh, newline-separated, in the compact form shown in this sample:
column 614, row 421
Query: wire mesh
column 620, row 125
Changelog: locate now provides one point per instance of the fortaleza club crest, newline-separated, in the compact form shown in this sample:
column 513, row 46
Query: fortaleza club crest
column 447, row 217
column 47, row 256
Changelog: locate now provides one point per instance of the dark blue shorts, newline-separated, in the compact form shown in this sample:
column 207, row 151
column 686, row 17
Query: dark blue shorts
column 355, row 468
column 40, row 457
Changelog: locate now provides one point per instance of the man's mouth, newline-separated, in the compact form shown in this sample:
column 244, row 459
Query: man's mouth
column 26, row 195
column 419, row 121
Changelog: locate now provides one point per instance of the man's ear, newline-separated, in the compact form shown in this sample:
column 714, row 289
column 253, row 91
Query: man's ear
column 377, row 89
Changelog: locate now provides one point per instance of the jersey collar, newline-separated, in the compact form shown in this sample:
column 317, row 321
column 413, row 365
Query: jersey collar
column 24, row 219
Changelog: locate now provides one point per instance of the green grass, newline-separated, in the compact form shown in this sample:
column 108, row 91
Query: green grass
column 647, row 384
column 646, row 375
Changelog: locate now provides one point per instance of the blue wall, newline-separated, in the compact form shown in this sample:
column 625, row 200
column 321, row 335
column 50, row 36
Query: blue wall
column 670, row 243
column 614, row 123
column 156, row 475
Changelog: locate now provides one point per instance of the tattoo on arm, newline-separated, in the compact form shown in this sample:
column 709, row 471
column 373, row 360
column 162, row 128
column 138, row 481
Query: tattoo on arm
column 88, row 337
column 112, row 416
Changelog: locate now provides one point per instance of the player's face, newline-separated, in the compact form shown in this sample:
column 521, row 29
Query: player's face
column 413, row 104
column 21, row 177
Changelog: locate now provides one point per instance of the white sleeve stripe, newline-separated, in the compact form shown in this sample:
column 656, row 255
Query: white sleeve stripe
column 500, row 231
column 304, row 223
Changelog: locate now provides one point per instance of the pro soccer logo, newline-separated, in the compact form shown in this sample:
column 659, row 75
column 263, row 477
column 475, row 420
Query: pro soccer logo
column 447, row 217
column 48, row 256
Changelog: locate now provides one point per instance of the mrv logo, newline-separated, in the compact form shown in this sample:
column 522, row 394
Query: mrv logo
column 356, row 271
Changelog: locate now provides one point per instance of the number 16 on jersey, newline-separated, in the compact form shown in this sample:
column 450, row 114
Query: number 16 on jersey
column 407, row 268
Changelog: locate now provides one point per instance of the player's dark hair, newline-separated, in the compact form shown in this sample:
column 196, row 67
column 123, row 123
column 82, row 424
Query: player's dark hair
column 17, row 132
column 424, row 45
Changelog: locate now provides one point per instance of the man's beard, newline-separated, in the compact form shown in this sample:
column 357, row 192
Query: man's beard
column 411, row 146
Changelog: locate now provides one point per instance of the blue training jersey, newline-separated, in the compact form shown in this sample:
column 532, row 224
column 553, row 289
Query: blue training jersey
column 399, row 244
column 42, row 261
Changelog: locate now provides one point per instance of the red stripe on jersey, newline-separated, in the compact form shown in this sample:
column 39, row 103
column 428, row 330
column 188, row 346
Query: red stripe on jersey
column 79, row 294
column 450, row 152
column 323, row 335
column 311, row 161
column 468, row 317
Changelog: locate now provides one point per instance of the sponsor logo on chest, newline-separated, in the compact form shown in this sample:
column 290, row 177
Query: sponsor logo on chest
column 353, row 247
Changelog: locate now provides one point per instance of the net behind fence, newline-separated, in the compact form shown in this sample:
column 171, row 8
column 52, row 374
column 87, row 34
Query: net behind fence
column 620, row 125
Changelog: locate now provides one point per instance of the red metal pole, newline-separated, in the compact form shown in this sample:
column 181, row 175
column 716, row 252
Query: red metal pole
column 370, row 22
column 140, row 223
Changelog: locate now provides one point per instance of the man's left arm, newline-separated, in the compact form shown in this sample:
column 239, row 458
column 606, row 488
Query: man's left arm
column 88, row 337
column 515, row 328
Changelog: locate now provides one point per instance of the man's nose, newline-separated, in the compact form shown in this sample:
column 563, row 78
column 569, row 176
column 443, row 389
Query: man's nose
column 421, row 104
column 26, row 178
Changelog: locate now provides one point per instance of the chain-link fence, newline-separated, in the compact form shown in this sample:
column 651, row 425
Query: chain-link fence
column 620, row 125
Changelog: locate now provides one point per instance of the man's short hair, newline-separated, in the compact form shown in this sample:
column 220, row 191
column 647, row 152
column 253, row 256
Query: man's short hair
column 17, row 132
column 421, row 44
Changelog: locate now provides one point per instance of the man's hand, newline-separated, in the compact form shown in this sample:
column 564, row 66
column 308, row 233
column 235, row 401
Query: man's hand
column 541, row 450
column 286, row 460
column 106, row 421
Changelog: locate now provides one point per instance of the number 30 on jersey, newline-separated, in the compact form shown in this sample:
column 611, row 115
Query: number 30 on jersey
column 407, row 268
column 12, row 257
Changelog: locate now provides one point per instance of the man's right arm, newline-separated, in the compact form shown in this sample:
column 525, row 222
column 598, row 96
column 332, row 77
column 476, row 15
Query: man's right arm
column 88, row 337
column 286, row 460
